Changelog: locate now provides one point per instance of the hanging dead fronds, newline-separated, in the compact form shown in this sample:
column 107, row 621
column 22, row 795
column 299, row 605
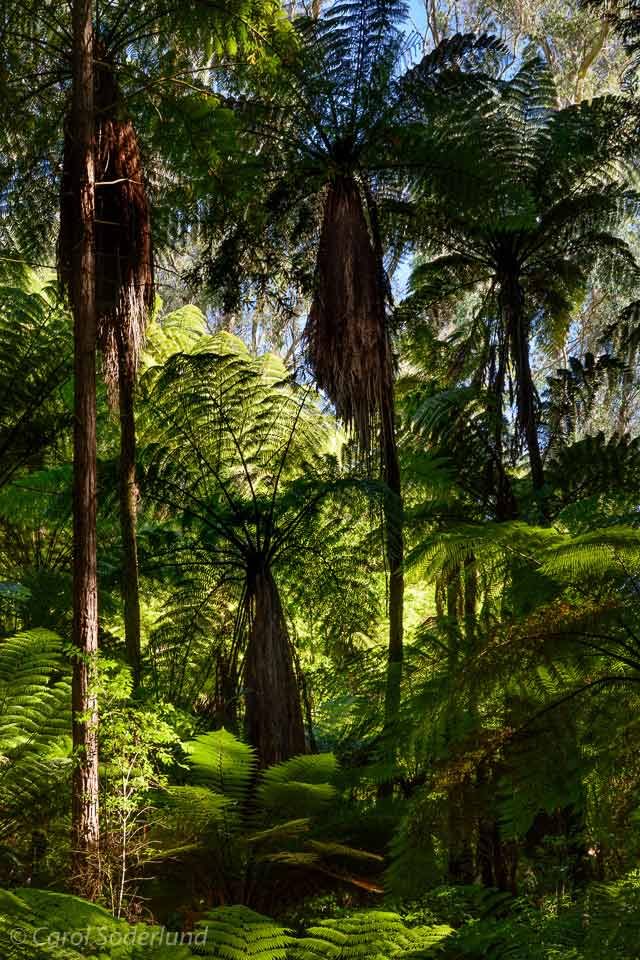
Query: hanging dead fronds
column 124, row 255
column 346, row 334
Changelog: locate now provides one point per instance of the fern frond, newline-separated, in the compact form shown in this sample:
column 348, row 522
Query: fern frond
column 375, row 934
column 237, row 933
column 612, row 551
column 35, row 717
column 299, row 787
column 223, row 763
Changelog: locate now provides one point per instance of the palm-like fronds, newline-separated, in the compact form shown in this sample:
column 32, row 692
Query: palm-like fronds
column 329, row 167
column 594, row 467
column 251, row 827
column 35, row 364
column 242, row 451
column 35, row 717
column 522, row 202
column 374, row 933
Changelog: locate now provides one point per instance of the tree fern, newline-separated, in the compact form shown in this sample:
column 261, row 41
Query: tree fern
column 243, row 454
column 556, row 189
column 250, row 825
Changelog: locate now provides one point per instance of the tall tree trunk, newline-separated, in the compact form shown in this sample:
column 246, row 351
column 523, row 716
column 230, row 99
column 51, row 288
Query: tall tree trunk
column 394, row 547
column 124, row 283
column 85, row 819
column 395, row 559
column 497, row 859
column 274, row 721
column 129, row 508
column 460, row 860
column 512, row 303
column 626, row 398
column 460, row 822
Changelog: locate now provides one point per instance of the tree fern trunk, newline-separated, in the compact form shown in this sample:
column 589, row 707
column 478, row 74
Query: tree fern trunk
column 497, row 859
column 512, row 298
column 128, row 509
column 273, row 712
column 85, row 820
column 506, row 508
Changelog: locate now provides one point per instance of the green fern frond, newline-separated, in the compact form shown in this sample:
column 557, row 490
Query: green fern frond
column 35, row 718
column 237, row 933
column 430, row 941
column 487, row 543
column 194, row 811
column 611, row 551
column 44, row 925
column 281, row 832
column 176, row 332
column 613, row 911
column 223, row 763
column 300, row 786
column 374, row 934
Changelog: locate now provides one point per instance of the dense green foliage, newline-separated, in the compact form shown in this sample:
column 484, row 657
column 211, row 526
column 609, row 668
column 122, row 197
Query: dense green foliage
column 385, row 498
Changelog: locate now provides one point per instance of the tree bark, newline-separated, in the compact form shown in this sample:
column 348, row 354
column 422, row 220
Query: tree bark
column 459, row 606
column 395, row 559
column 273, row 717
column 497, row 859
column 460, row 860
column 394, row 535
column 85, row 813
column 506, row 507
column 512, row 298
column 129, row 509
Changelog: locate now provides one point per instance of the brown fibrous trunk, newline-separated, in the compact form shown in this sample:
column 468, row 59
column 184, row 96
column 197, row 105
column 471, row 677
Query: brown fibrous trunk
column 273, row 716
column 124, row 253
column 124, row 292
column 346, row 335
column 348, row 346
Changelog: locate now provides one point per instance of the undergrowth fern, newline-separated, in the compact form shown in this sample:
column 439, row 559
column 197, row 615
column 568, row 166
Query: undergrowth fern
column 374, row 934
column 237, row 933
column 247, row 824
column 35, row 718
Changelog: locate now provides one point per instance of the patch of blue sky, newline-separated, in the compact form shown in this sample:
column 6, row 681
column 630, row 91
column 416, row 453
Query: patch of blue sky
column 417, row 19
column 416, row 29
